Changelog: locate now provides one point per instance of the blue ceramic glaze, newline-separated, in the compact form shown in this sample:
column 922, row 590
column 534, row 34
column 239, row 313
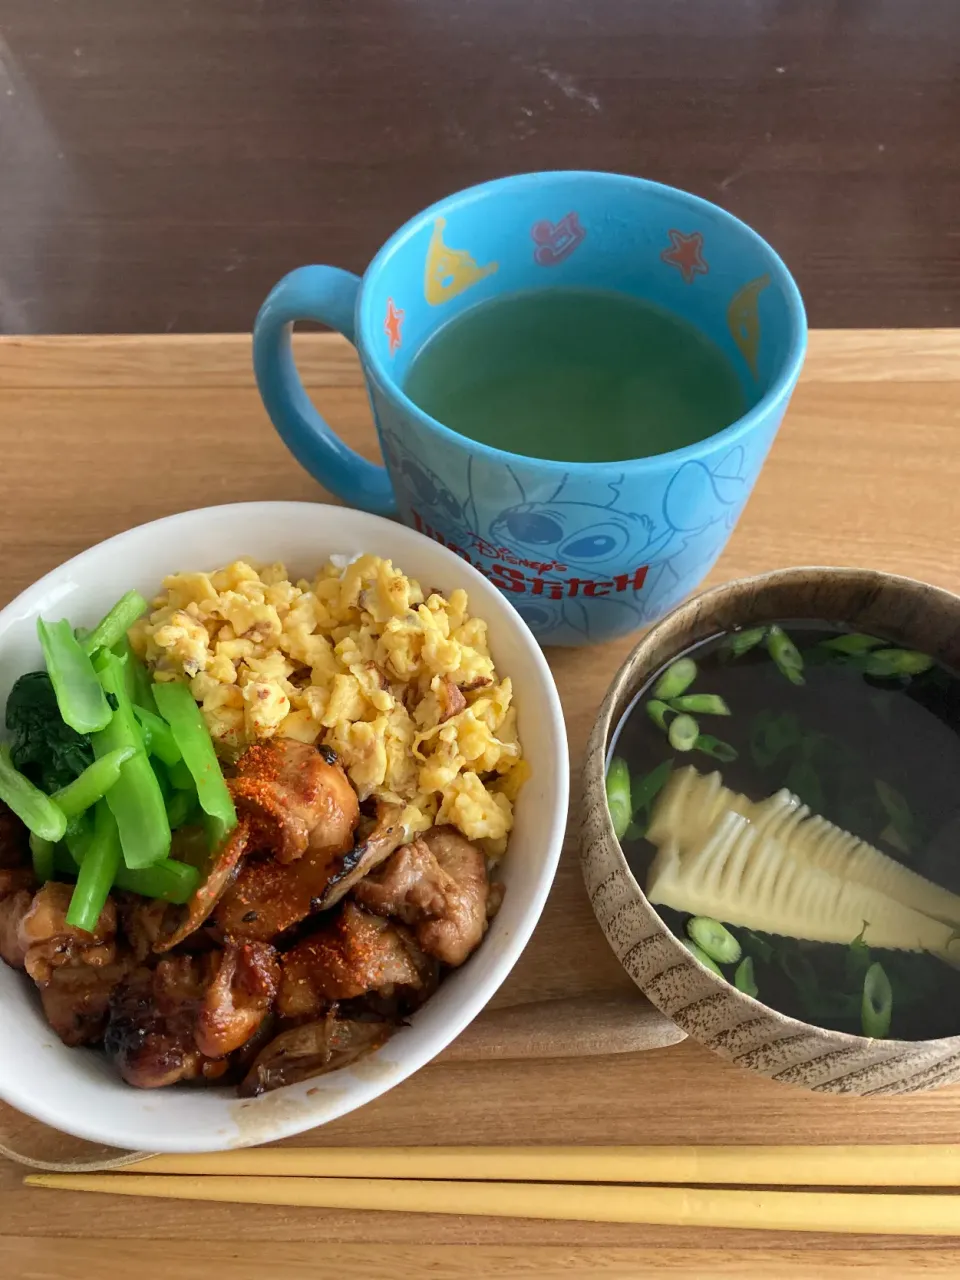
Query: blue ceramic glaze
column 590, row 551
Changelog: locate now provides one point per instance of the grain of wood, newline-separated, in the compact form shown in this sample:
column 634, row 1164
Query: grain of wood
column 99, row 434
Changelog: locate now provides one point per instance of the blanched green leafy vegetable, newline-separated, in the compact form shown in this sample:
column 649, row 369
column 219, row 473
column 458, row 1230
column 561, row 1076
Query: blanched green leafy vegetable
column 93, row 784
column 36, row 811
column 158, row 736
column 48, row 751
column 177, row 706
column 136, row 800
column 115, row 625
column 170, row 880
column 97, row 871
column 79, row 695
column 41, row 855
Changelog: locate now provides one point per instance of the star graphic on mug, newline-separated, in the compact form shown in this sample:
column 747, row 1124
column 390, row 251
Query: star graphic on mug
column 392, row 325
column 685, row 254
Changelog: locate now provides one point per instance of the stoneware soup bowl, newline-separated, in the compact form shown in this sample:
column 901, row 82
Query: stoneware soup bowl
column 734, row 1025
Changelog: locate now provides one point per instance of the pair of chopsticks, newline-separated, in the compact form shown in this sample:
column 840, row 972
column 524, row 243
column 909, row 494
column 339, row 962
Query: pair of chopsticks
column 562, row 1183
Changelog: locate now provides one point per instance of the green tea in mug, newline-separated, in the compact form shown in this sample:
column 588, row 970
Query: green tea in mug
column 575, row 375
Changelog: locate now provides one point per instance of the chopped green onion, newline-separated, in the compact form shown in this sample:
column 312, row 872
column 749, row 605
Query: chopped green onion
column 744, row 979
column 618, row 796
column 97, row 871
column 177, row 706
column 701, row 704
column 79, row 695
column 36, row 811
column 643, row 791
column 677, row 678
column 857, row 959
column 715, row 747
column 785, row 654
column 757, row 946
column 658, row 712
column 887, row 663
column 158, row 736
column 93, row 784
column 634, row 832
column 170, row 880
column 854, row 642
column 740, row 642
column 115, row 625
column 683, row 733
column 715, row 939
column 876, row 1009
column 41, row 854
column 136, row 800
column 699, row 954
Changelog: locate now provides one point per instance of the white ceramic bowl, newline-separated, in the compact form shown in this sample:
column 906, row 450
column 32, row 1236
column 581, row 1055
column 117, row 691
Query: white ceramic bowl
column 77, row 1090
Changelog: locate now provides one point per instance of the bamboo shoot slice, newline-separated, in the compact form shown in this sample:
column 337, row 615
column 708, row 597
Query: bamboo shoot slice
column 743, row 877
column 691, row 803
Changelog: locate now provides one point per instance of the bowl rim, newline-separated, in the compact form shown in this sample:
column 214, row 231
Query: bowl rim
column 594, row 772
column 376, row 529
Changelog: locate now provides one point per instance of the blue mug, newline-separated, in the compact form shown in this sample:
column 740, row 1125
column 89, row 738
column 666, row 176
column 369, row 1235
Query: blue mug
column 586, row 551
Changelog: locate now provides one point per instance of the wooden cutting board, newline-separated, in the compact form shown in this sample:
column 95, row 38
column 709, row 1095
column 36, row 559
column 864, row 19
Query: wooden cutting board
column 100, row 433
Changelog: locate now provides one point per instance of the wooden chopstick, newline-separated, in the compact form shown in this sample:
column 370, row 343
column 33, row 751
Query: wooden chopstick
column 800, row 1166
column 838, row 1211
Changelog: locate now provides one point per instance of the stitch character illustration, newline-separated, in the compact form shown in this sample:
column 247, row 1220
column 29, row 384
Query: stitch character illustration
column 449, row 271
column 743, row 320
column 556, row 241
column 686, row 254
column 431, row 496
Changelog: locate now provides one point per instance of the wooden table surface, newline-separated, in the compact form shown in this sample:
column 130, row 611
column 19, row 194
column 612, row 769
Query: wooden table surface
column 99, row 434
column 164, row 163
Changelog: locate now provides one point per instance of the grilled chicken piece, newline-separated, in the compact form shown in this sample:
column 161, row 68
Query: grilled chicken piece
column 268, row 897
column 14, row 840
column 296, row 799
column 142, row 921
column 208, row 895
column 238, row 999
column 355, row 954
column 438, row 885
column 34, row 934
column 312, row 1050
column 76, row 1000
column 150, row 1032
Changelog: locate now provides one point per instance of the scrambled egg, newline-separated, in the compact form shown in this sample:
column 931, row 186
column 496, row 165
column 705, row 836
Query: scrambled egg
column 400, row 685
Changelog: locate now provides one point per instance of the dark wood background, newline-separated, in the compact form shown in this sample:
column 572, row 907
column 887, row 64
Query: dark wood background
column 162, row 162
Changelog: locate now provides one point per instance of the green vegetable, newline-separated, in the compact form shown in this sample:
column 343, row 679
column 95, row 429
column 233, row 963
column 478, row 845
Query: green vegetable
column 876, row 1009
column 180, row 806
column 170, row 880
column 136, row 800
column 758, row 947
column 93, row 784
column 771, row 735
column 658, row 712
column 177, row 706
column 36, row 811
column 115, row 625
column 741, row 642
column 887, row 663
column 899, row 813
column 635, row 831
column 744, row 979
column 711, row 746
column 48, row 751
column 78, row 836
column 97, row 871
column 715, row 939
column 699, row 954
column 79, row 695
column 852, row 643
column 677, row 678
column 643, row 791
column 41, row 853
column 618, row 796
column 804, row 781
column 785, row 654
column 157, row 736
column 683, row 733
column 181, row 777
column 857, row 959
column 701, row 704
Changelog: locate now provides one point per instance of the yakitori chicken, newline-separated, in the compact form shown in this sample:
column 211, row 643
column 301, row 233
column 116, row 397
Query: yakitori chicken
column 355, row 954
column 267, row 897
column 76, row 1000
column 34, row 934
column 238, row 999
column 438, row 886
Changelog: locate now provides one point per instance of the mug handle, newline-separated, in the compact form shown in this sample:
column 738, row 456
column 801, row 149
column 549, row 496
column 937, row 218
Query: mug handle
column 328, row 295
